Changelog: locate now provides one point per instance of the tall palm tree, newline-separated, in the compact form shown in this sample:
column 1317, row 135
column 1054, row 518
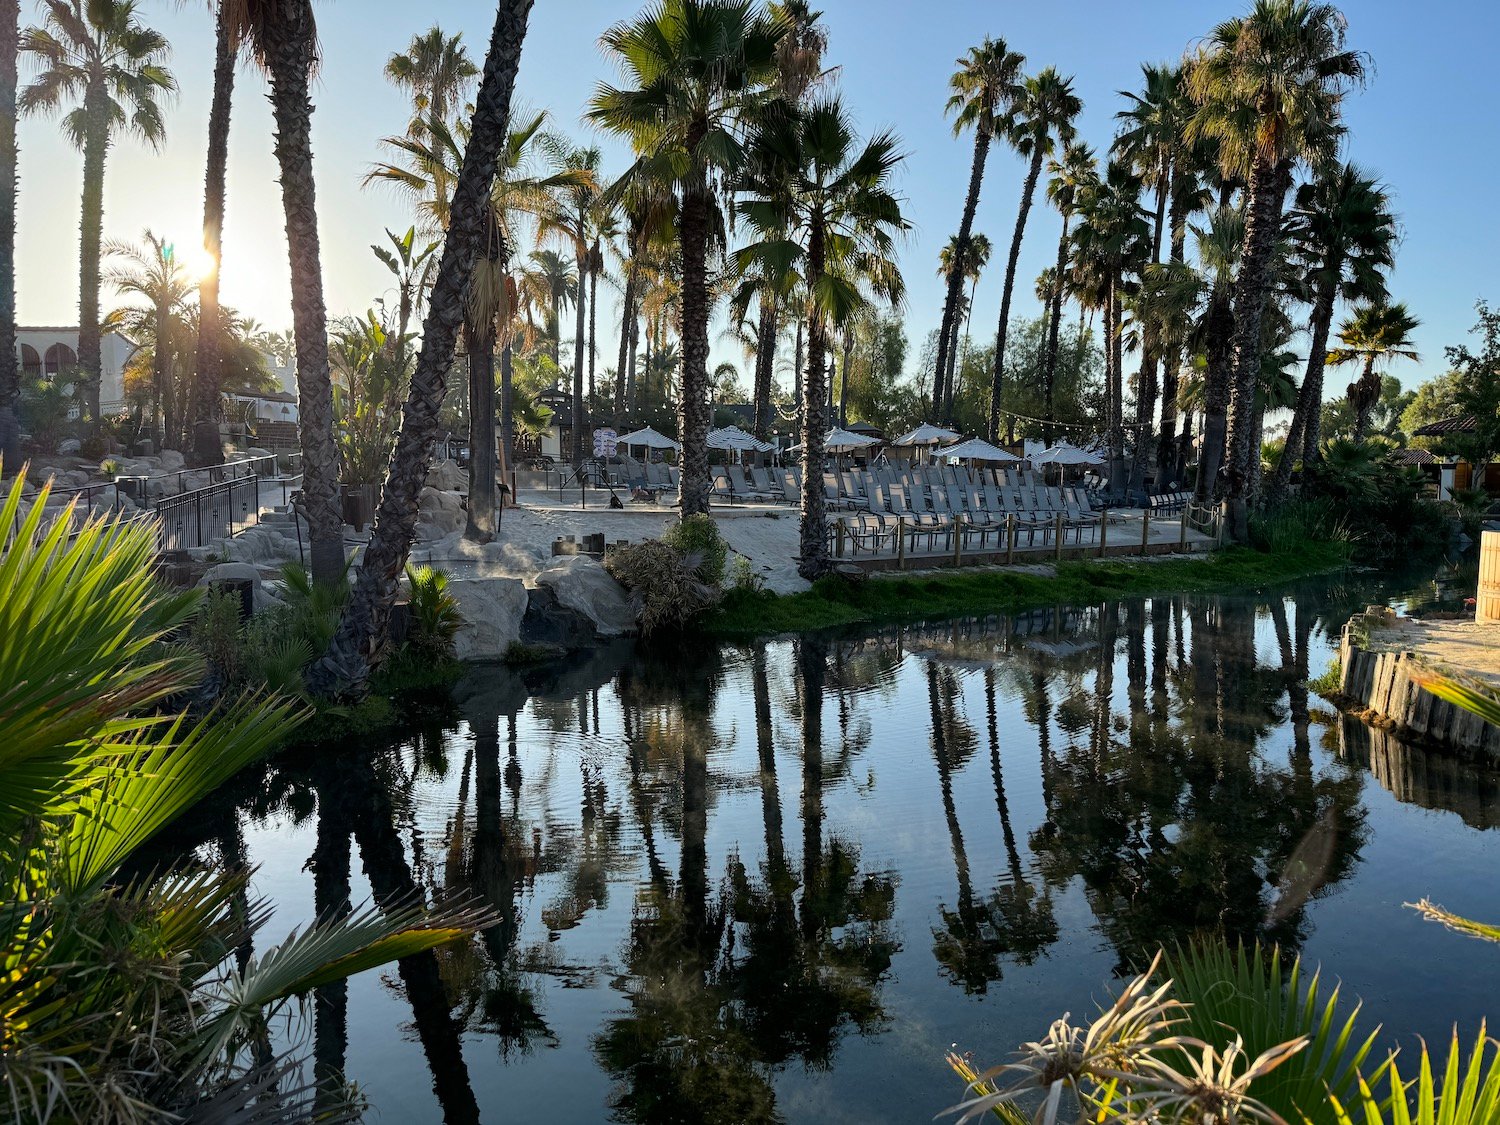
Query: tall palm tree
column 1344, row 236
column 152, row 272
column 552, row 284
column 361, row 637
column 1268, row 88
column 208, row 449
column 693, row 69
column 437, row 71
column 1040, row 116
column 1070, row 175
column 1219, row 244
column 987, row 81
column 105, row 72
column 974, row 260
column 1153, row 143
column 571, row 220
column 808, row 174
column 430, row 171
column 282, row 35
column 10, row 375
column 1373, row 336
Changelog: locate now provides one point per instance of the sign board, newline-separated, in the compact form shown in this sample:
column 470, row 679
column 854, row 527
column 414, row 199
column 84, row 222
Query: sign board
column 604, row 443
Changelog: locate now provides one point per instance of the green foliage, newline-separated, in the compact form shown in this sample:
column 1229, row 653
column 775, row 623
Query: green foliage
column 1328, row 684
column 743, row 578
column 1304, row 520
column 1383, row 508
column 696, row 538
column 435, row 619
column 371, row 371
column 216, row 634
column 1433, row 401
column 1478, row 389
column 45, row 405
column 119, row 999
column 665, row 586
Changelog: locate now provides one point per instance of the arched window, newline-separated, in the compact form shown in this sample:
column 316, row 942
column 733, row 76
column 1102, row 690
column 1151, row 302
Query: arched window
column 31, row 362
column 59, row 358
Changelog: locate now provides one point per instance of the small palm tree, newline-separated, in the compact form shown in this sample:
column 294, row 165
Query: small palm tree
column 105, row 72
column 975, row 258
column 411, row 265
column 693, row 70
column 1373, row 336
column 809, row 175
column 152, row 272
column 1071, row 175
column 1040, row 117
column 986, row 83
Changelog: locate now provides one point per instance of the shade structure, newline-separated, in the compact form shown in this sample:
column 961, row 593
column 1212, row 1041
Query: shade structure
column 1064, row 454
column 732, row 437
column 977, row 449
column 843, row 441
column 649, row 438
column 926, row 434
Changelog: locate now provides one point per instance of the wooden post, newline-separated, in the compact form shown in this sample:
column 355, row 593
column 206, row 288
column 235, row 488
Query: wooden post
column 1057, row 538
column 843, row 536
column 900, row 542
column 1145, row 528
column 1103, row 531
column 1182, row 535
column 1010, row 539
column 958, row 539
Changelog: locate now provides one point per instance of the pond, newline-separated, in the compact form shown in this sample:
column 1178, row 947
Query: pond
column 777, row 882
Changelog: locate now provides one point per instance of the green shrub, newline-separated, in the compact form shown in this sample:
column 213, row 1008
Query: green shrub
column 742, row 576
column 45, row 406
column 666, row 587
column 1380, row 504
column 698, row 541
column 435, row 619
column 217, row 636
column 1329, row 682
column 1304, row 520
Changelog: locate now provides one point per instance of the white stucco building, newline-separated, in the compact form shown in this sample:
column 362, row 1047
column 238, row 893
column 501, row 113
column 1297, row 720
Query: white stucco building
column 44, row 352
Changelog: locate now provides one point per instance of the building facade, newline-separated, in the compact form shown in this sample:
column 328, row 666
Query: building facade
column 46, row 352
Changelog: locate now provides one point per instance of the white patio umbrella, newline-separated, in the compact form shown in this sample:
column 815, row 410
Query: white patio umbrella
column 926, row 434
column 844, row 441
column 1064, row 454
column 734, row 438
column 649, row 438
column 977, row 449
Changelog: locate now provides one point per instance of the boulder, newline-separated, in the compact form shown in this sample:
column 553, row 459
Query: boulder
column 172, row 461
column 257, row 545
column 441, row 510
column 492, row 609
column 583, row 585
column 549, row 624
column 69, row 445
column 242, row 572
column 447, row 475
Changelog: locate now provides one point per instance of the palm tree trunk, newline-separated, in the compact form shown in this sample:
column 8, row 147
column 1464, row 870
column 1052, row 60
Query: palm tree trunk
column 765, row 360
column 593, row 320
column 844, row 378
column 627, row 322
column 635, row 339
column 161, row 406
column 1216, row 380
column 797, row 373
column 1115, row 343
column 693, row 418
column 507, row 409
column 1368, row 395
column 10, row 373
column 813, row 561
column 90, row 237
column 1310, row 397
column 362, row 633
column 480, row 343
column 1168, row 460
column 997, row 385
column 942, row 391
column 291, row 44
column 1264, row 196
column 580, row 339
column 208, row 449
column 1054, row 326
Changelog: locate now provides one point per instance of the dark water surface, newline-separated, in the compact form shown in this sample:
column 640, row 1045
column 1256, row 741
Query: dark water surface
column 776, row 882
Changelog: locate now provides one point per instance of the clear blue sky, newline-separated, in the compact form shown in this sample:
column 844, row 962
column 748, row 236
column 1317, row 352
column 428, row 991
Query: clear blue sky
column 1424, row 123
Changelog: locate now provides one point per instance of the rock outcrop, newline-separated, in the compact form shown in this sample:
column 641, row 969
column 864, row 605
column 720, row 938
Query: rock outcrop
column 492, row 609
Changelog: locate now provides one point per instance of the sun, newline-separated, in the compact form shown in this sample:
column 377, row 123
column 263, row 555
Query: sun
column 197, row 262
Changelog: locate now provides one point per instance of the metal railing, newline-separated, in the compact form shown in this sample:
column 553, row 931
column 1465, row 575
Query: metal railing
column 197, row 518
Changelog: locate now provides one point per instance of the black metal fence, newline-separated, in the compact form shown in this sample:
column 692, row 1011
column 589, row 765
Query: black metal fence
column 197, row 518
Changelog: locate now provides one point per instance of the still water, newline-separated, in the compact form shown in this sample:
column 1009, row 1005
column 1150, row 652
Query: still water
column 776, row 882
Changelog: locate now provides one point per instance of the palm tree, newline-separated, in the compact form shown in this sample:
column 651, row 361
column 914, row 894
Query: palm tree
column 208, row 449
column 1072, row 174
column 1268, row 88
column 807, row 174
column 437, row 71
column 1041, row 115
column 1372, row 336
column 361, row 638
column 412, row 268
column 975, row 259
column 1344, row 236
column 153, row 273
column 987, row 81
column 1153, row 143
column 576, row 202
column 552, row 284
column 10, row 375
column 97, row 58
column 693, row 68
column 1219, row 244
